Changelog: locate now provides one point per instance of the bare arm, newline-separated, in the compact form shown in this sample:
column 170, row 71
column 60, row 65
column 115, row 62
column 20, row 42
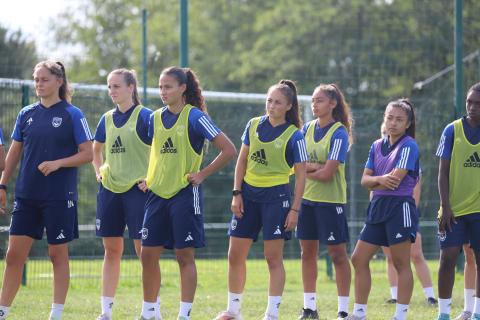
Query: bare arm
column 417, row 191
column 84, row 155
column 240, row 169
column 13, row 157
column 300, row 176
column 326, row 172
column 97, row 158
column 389, row 181
column 2, row 158
column 227, row 153
column 446, row 217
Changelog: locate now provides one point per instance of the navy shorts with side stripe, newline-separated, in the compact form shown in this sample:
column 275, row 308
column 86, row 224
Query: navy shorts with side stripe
column 269, row 216
column 466, row 230
column 326, row 222
column 398, row 224
column 176, row 222
column 58, row 217
column 117, row 210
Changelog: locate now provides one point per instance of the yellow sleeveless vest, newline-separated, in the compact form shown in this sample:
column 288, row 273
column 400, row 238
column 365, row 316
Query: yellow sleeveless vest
column 464, row 182
column 335, row 190
column 172, row 157
column 126, row 155
column 266, row 164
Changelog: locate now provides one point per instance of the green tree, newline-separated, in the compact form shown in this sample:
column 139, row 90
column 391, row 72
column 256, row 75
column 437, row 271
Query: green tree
column 17, row 54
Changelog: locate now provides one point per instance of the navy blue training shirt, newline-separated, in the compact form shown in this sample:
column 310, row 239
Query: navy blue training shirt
column 49, row 134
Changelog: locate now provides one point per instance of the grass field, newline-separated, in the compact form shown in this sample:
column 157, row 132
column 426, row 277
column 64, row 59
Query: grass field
column 33, row 301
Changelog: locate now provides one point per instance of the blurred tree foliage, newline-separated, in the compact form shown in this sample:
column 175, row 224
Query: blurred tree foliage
column 375, row 49
column 17, row 54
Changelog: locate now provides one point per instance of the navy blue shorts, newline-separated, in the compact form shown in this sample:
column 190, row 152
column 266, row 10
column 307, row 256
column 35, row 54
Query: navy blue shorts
column 270, row 216
column 398, row 223
column 58, row 217
column 325, row 222
column 466, row 230
column 176, row 222
column 117, row 210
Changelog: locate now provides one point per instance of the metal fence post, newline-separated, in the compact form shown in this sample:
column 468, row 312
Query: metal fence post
column 25, row 102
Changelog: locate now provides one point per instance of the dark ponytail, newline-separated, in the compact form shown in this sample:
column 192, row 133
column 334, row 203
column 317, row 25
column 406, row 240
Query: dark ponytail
column 407, row 106
column 289, row 90
column 58, row 70
column 193, row 92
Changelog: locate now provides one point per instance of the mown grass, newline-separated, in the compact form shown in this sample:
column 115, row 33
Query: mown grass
column 83, row 302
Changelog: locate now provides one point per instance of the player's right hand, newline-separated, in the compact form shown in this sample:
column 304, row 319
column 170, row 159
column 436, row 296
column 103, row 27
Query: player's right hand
column 3, row 201
column 446, row 219
column 142, row 185
column 237, row 206
column 389, row 181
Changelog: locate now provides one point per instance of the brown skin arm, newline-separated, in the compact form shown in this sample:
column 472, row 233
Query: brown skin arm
column 389, row 181
column 446, row 218
column 326, row 172
column 2, row 158
column 227, row 153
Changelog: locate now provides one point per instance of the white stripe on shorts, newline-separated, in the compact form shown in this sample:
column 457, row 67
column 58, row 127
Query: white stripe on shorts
column 407, row 218
column 196, row 200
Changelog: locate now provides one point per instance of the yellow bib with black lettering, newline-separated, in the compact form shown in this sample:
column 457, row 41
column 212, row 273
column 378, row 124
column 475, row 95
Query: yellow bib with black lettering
column 126, row 155
column 172, row 157
column 464, row 181
column 335, row 190
column 266, row 163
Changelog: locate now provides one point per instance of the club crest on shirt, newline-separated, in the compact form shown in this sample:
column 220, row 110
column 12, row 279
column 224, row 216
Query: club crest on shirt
column 56, row 122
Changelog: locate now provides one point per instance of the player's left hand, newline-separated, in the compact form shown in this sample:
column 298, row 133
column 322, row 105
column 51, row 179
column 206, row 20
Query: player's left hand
column 291, row 221
column 195, row 178
column 48, row 167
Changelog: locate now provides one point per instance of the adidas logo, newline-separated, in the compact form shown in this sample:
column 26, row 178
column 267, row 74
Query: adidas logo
column 278, row 230
column 117, row 146
column 398, row 236
column 29, row 121
column 60, row 236
column 339, row 210
column 259, row 157
column 472, row 161
column 331, row 238
column 189, row 238
column 285, row 204
column 168, row 146
column 313, row 157
column 70, row 204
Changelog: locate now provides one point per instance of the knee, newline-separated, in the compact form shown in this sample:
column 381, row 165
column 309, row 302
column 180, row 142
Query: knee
column 235, row 259
column 417, row 257
column 338, row 257
column 448, row 260
column 112, row 253
column 148, row 258
column 401, row 265
column 308, row 255
column 58, row 257
column 358, row 261
column 13, row 258
column 185, row 260
column 273, row 261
